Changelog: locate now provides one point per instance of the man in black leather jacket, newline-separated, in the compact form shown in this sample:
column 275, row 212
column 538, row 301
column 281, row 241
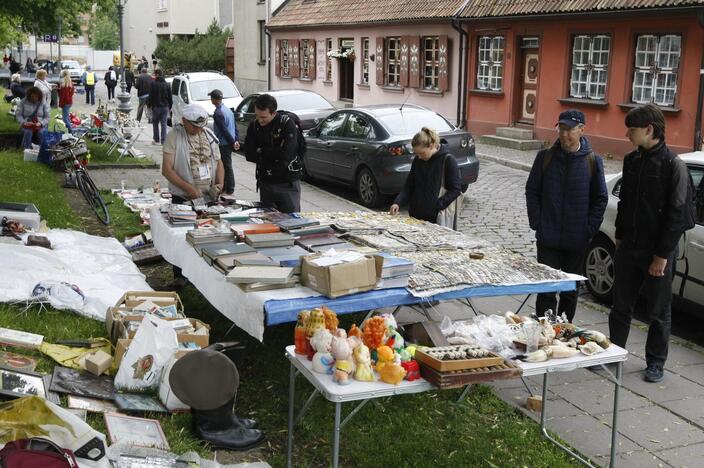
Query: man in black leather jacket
column 272, row 143
column 652, row 215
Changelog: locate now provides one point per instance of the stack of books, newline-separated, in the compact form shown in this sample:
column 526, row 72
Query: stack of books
column 181, row 215
column 311, row 241
column 261, row 278
column 275, row 239
column 241, row 230
column 286, row 256
column 211, row 252
column 200, row 237
column 291, row 224
column 310, row 230
column 225, row 263
column 395, row 272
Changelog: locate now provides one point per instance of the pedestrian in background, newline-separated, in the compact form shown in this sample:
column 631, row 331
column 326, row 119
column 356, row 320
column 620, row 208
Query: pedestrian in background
column 111, row 83
column 129, row 79
column 433, row 182
column 226, row 132
column 66, row 91
column 566, row 198
column 655, row 207
column 16, row 88
column 272, row 143
column 142, row 85
column 160, row 101
column 33, row 116
column 89, row 79
column 43, row 86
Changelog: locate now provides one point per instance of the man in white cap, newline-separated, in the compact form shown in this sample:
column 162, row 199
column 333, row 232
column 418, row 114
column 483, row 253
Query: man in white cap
column 191, row 162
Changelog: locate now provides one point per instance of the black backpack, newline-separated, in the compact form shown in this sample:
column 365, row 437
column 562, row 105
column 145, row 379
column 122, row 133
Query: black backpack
column 297, row 164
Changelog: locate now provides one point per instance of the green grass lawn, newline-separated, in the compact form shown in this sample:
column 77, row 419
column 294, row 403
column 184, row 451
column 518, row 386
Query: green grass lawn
column 99, row 155
column 419, row 430
column 8, row 124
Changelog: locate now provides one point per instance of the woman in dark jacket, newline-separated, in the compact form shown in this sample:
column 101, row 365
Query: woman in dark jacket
column 431, row 166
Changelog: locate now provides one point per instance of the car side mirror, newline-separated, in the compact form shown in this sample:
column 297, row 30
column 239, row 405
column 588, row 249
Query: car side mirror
column 239, row 116
column 312, row 133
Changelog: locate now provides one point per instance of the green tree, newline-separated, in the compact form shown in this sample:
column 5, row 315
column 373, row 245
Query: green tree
column 42, row 15
column 9, row 34
column 104, row 34
column 201, row 52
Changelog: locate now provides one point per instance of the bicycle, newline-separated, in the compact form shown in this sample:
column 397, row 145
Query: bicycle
column 68, row 152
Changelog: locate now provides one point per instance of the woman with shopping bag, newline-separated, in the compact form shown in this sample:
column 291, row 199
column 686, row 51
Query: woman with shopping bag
column 33, row 116
column 432, row 189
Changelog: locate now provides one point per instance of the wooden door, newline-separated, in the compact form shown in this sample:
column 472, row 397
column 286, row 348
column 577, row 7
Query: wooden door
column 528, row 82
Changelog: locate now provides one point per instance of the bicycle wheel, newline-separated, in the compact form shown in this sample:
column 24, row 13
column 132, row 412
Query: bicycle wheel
column 92, row 195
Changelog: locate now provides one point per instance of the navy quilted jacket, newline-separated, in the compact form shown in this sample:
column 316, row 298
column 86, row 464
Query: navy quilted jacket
column 565, row 204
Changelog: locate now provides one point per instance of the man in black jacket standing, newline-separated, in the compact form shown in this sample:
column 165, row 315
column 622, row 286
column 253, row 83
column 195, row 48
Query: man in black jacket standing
column 272, row 143
column 160, row 102
column 143, row 83
column 653, row 212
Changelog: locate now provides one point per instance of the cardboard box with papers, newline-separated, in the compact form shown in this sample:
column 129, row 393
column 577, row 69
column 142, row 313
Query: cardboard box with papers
column 337, row 274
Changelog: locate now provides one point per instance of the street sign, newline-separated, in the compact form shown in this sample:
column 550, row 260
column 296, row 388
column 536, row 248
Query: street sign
column 50, row 38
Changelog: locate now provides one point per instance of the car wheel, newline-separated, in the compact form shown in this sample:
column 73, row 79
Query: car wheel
column 599, row 268
column 367, row 188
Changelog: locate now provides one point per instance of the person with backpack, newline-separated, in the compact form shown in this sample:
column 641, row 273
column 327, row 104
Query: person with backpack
column 273, row 142
column 89, row 79
column 566, row 197
column 656, row 206
column 433, row 183
column 226, row 131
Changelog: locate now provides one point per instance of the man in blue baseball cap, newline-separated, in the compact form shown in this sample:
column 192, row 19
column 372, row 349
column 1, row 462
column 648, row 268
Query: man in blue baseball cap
column 566, row 198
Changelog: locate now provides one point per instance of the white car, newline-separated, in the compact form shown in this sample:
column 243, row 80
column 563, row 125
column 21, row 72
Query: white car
column 689, row 275
column 193, row 88
column 74, row 68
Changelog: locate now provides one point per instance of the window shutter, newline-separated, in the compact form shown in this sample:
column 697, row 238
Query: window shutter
column 380, row 78
column 403, row 75
column 312, row 66
column 414, row 68
column 443, row 69
column 277, row 58
column 293, row 60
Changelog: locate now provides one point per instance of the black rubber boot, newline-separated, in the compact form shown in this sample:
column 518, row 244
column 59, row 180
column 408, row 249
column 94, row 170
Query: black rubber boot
column 221, row 428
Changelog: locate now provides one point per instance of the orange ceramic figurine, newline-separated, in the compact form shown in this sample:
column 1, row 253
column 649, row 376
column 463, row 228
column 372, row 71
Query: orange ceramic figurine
column 299, row 337
column 385, row 355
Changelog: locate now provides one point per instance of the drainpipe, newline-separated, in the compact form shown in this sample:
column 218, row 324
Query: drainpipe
column 268, row 45
column 462, row 76
column 700, row 101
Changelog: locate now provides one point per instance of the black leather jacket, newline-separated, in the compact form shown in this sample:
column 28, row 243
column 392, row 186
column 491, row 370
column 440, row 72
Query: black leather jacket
column 273, row 148
column 651, row 210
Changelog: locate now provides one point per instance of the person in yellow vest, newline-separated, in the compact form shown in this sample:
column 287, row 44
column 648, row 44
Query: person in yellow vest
column 89, row 79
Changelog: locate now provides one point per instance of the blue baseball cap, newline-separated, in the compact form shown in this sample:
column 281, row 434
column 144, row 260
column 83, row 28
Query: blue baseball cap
column 571, row 118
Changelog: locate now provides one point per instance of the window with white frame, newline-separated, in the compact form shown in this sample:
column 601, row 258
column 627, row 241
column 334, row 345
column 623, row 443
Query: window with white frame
column 162, row 5
column 328, row 59
column 657, row 64
column 590, row 62
column 431, row 62
column 365, row 61
column 393, row 61
column 490, row 67
column 305, row 58
column 285, row 65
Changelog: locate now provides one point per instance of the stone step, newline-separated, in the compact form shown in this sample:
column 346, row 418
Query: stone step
column 515, row 133
column 512, row 143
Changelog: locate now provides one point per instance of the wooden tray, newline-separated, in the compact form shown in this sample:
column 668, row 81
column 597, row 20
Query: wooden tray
column 457, row 364
column 454, row 379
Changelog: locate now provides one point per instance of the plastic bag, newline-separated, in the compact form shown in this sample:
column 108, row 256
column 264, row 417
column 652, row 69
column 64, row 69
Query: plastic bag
column 152, row 347
column 49, row 139
column 59, row 294
column 490, row 332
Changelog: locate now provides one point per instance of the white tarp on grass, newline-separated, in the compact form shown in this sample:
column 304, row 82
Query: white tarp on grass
column 99, row 266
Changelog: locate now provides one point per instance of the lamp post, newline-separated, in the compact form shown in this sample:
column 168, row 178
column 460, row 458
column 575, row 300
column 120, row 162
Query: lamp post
column 124, row 105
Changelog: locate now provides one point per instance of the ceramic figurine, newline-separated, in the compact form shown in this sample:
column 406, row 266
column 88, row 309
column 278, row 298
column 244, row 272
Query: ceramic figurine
column 331, row 321
column 299, row 337
column 323, row 361
column 392, row 373
column 342, row 352
column 412, row 370
column 355, row 331
column 385, row 355
column 395, row 340
column 374, row 332
column 316, row 322
column 363, row 364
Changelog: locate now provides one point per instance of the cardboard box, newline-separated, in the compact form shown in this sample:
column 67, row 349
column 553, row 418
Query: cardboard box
column 343, row 278
column 201, row 339
column 131, row 299
column 121, row 348
column 98, row 362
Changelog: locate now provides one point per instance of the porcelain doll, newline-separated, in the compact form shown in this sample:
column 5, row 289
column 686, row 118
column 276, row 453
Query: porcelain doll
column 342, row 352
column 363, row 364
column 323, row 361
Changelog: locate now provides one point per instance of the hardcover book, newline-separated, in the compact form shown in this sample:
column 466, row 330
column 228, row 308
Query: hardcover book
column 260, row 274
column 276, row 239
column 210, row 252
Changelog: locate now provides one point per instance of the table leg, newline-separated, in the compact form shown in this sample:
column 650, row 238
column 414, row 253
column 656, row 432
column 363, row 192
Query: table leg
column 291, row 395
column 523, row 303
column 614, row 423
column 336, row 436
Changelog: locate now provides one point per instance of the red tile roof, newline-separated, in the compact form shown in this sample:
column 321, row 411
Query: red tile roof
column 499, row 8
column 305, row 13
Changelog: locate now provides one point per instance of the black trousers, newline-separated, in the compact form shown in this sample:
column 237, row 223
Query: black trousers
column 178, row 272
column 226, row 156
column 285, row 197
column 569, row 262
column 631, row 278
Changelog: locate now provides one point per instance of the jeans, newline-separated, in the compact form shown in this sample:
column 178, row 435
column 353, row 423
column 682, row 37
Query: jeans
column 569, row 262
column 226, row 157
column 64, row 113
column 141, row 107
column 111, row 92
column 631, row 278
column 285, row 197
column 159, row 116
column 27, row 135
column 90, row 94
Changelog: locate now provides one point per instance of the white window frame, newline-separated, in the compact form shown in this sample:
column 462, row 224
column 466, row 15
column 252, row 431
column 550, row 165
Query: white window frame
column 392, row 75
column 590, row 66
column 162, row 5
column 431, row 67
column 656, row 69
column 285, row 62
column 365, row 61
column 490, row 63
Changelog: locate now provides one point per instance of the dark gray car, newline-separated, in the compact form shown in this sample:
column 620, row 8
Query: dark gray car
column 369, row 148
column 310, row 107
